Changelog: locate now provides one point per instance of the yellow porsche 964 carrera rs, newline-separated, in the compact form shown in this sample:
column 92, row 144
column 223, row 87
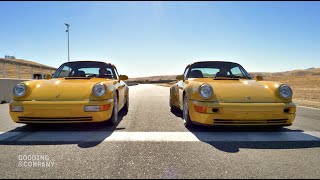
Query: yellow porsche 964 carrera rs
column 79, row 91
column 223, row 93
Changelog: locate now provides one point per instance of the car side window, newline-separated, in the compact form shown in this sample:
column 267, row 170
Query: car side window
column 110, row 73
column 116, row 73
column 64, row 72
column 186, row 73
column 236, row 71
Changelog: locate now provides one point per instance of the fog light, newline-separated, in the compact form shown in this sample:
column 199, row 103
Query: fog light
column 91, row 108
column 16, row 108
column 200, row 109
column 104, row 107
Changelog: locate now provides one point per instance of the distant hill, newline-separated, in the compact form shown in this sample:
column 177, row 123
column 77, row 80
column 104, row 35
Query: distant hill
column 298, row 72
column 154, row 79
column 169, row 78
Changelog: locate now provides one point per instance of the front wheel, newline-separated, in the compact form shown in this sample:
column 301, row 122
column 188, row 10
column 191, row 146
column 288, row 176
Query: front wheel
column 126, row 106
column 114, row 116
column 186, row 116
column 170, row 103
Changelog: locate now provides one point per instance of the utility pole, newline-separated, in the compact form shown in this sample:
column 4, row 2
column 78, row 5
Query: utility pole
column 68, row 40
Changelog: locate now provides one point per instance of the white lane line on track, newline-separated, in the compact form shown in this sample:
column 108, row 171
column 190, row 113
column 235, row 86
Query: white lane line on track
column 77, row 136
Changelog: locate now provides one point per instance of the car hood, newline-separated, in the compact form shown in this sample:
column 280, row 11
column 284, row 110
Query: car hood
column 242, row 90
column 60, row 89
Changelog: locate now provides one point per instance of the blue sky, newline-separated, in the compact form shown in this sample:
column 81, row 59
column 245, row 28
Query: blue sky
column 161, row 38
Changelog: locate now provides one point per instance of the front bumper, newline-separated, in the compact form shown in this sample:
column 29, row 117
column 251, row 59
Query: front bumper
column 242, row 113
column 60, row 111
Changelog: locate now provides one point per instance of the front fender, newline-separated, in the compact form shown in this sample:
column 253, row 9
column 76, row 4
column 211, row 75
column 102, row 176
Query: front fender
column 111, row 89
column 192, row 91
column 273, row 87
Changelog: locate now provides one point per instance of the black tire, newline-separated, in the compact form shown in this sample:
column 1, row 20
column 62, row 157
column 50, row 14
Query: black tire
column 186, row 116
column 172, row 107
column 114, row 117
column 170, row 102
column 126, row 106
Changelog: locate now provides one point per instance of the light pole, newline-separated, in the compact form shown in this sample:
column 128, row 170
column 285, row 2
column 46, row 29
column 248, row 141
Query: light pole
column 68, row 40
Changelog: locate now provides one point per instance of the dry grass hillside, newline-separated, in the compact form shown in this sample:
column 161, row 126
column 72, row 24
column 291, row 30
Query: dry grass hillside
column 153, row 79
column 306, row 89
column 305, row 83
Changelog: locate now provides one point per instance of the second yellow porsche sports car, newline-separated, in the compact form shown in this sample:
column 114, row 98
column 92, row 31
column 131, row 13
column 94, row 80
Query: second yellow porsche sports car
column 79, row 91
column 223, row 93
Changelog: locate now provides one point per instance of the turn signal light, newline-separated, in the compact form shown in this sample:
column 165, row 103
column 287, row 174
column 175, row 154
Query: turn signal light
column 104, row 107
column 200, row 109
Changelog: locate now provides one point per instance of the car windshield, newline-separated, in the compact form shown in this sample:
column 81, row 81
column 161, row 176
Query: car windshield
column 217, row 70
column 85, row 70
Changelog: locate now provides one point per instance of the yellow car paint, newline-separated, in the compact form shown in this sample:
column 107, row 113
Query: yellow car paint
column 48, row 90
column 62, row 100
column 234, row 102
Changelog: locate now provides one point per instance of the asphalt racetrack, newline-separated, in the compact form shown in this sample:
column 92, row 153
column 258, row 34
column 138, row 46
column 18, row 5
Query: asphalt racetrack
column 152, row 142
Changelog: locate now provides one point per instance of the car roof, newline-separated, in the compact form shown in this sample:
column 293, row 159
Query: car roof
column 199, row 62
column 90, row 61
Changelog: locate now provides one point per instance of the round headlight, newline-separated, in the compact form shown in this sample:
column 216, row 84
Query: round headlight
column 285, row 91
column 206, row 91
column 99, row 90
column 20, row 90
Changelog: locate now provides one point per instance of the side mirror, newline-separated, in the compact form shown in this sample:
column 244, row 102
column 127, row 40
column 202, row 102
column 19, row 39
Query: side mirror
column 48, row 76
column 259, row 78
column 123, row 77
column 180, row 77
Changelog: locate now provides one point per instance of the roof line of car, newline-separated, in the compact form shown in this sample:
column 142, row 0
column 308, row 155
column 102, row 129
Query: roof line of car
column 213, row 61
column 189, row 64
column 90, row 61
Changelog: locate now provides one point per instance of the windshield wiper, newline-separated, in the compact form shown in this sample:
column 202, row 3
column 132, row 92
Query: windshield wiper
column 70, row 77
column 225, row 78
column 233, row 77
column 241, row 77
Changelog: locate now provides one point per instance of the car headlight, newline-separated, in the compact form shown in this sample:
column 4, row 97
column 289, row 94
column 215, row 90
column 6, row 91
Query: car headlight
column 285, row 91
column 206, row 91
column 99, row 90
column 19, row 90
